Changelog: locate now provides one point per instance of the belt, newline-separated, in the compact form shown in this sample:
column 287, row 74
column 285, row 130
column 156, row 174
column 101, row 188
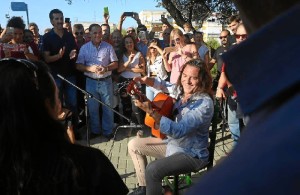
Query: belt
column 153, row 73
column 99, row 79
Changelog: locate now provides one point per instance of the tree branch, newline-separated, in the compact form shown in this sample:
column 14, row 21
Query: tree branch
column 174, row 12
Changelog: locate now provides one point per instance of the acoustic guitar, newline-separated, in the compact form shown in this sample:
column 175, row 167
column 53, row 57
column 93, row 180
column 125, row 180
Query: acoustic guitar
column 162, row 103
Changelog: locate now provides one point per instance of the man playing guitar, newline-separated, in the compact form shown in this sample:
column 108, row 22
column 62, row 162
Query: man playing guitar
column 185, row 149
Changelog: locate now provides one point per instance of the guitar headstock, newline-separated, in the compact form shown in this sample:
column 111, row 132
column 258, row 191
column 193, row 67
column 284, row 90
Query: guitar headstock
column 133, row 89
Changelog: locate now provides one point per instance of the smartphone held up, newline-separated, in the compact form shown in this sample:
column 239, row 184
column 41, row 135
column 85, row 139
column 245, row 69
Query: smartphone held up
column 105, row 11
column 131, row 14
column 67, row 20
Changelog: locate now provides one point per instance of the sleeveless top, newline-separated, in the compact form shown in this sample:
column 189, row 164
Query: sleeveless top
column 136, row 60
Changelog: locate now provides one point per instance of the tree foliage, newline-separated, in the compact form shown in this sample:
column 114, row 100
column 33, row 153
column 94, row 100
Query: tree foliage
column 197, row 10
column 69, row 1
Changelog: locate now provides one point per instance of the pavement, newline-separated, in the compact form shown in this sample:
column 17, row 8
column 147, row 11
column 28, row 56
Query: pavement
column 116, row 150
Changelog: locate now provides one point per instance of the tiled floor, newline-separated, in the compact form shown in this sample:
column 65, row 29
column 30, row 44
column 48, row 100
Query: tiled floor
column 117, row 152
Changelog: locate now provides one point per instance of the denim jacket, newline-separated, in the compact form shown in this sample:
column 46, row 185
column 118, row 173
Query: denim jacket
column 189, row 130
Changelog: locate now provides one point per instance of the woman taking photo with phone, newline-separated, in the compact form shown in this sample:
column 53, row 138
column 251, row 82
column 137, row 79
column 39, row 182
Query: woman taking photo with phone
column 155, row 66
column 16, row 47
column 184, row 52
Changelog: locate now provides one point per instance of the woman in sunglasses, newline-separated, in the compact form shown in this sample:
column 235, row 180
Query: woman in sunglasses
column 182, row 53
column 155, row 66
column 35, row 155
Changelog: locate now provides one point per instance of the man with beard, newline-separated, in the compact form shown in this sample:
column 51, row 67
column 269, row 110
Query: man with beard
column 217, row 56
column 59, row 51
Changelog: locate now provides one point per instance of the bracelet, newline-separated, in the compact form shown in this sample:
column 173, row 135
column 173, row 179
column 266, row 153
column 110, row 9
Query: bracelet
column 219, row 88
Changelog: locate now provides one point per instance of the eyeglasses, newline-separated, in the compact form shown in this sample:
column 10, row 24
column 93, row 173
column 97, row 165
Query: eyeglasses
column 129, row 31
column 31, row 66
column 77, row 33
column 223, row 37
column 167, row 33
column 243, row 36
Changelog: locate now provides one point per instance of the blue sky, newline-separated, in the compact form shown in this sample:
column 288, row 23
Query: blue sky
column 81, row 10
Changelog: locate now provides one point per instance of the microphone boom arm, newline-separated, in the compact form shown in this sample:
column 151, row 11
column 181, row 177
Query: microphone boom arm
column 89, row 95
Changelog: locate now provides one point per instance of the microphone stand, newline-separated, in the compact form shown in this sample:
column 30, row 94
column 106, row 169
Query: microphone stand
column 88, row 95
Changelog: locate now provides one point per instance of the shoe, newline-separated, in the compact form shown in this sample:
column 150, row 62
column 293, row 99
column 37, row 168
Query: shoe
column 141, row 190
column 109, row 136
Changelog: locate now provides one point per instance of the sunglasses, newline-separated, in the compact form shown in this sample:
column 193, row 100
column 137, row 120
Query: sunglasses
column 223, row 37
column 167, row 33
column 177, row 40
column 77, row 33
column 243, row 36
column 29, row 65
column 129, row 31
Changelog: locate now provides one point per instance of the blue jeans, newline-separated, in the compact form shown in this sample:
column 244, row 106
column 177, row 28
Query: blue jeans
column 68, row 96
column 103, row 91
column 234, row 126
column 151, row 92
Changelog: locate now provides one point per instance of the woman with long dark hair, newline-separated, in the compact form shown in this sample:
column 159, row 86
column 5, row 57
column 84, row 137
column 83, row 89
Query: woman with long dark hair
column 36, row 156
column 132, row 64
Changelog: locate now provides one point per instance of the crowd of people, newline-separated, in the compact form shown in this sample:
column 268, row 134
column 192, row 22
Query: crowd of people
column 178, row 63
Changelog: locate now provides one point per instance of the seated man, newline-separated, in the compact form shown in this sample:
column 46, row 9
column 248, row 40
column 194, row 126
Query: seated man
column 187, row 132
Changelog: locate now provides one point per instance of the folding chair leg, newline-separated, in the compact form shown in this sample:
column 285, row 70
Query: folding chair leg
column 176, row 180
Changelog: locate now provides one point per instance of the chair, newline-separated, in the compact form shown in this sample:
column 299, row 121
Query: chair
column 179, row 182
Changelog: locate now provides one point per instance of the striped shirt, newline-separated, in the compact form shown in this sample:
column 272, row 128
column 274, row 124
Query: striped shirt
column 90, row 55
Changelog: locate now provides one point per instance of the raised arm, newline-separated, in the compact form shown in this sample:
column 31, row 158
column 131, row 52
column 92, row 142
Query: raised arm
column 122, row 18
column 106, row 18
column 136, row 18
